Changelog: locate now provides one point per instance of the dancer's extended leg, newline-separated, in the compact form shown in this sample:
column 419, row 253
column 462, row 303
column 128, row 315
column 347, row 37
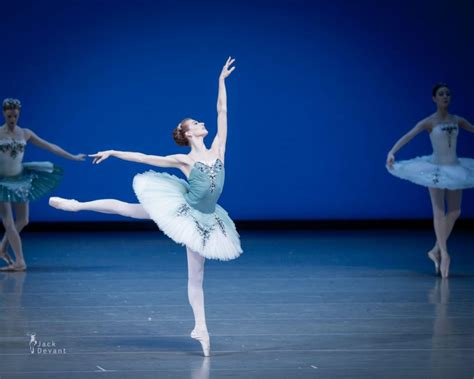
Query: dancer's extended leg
column 110, row 206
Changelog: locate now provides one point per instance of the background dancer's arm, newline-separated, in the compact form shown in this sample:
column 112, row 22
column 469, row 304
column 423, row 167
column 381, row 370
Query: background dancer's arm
column 463, row 123
column 55, row 149
column 422, row 125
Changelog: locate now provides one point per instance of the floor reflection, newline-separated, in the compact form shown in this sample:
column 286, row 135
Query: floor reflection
column 203, row 371
column 13, row 318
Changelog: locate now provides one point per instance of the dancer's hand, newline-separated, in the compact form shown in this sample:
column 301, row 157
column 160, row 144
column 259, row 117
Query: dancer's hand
column 226, row 70
column 79, row 157
column 390, row 159
column 101, row 156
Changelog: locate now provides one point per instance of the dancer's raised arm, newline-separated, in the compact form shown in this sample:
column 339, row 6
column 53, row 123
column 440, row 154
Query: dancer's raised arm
column 176, row 160
column 220, row 140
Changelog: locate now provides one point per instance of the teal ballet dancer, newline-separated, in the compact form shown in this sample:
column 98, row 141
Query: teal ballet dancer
column 442, row 172
column 22, row 182
column 185, row 210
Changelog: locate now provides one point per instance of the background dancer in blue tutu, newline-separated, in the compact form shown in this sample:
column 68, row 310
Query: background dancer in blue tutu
column 443, row 172
column 186, row 211
column 21, row 182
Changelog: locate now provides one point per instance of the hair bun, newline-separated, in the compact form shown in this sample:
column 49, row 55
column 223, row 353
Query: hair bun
column 179, row 133
column 180, row 137
column 10, row 103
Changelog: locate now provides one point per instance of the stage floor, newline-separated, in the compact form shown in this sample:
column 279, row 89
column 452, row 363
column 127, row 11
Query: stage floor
column 323, row 304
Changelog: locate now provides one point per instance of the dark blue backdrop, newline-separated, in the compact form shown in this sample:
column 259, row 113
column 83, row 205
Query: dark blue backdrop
column 321, row 92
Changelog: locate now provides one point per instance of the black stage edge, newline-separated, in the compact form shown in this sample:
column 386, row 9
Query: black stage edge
column 247, row 225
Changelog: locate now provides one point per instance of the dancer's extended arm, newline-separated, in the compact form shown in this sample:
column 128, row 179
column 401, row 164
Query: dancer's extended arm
column 55, row 149
column 176, row 160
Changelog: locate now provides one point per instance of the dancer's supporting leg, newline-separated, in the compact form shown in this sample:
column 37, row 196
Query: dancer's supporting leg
column 453, row 199
column 13, row 236
column 440, row 226
column 21, row 220
column 110, row 206
column 196, row 299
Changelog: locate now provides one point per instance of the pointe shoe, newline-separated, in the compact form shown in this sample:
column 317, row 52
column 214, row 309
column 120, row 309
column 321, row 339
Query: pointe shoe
column 6, row 257
column 203, row 338
column 445, row 262
column 70, row 205
column 436, row 260
column 14, row 268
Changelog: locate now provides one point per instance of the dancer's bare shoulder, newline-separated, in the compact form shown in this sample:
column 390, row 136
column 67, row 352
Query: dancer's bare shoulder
column 27, row 133
column 19, row 133
column 428, row 123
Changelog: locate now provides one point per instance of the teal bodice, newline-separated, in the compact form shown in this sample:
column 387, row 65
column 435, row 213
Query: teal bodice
column 205, row 186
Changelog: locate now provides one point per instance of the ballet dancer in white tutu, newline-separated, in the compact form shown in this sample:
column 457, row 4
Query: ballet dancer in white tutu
column 187, row 211
column 442, row 172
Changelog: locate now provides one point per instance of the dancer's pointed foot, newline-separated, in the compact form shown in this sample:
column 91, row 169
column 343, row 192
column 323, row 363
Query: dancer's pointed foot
column 69, row 205
column 14, row 267
column 445, row 262
column 6, row 257
column 435, row 256
column 203, row 338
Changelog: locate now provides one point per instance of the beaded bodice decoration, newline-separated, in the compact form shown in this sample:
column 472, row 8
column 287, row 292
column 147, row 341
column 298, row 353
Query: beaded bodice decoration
column 206, row 183
column 444, row 140
column 12, row 147
column 11, row 156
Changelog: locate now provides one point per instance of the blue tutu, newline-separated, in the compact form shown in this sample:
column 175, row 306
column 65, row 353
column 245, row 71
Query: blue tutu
column 36, row 179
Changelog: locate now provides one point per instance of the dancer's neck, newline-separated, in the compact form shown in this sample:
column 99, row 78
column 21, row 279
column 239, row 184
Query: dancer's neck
column 442, row 113
column 198, row 146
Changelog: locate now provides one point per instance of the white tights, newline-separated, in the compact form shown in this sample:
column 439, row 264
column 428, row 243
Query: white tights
column 446, row 210
column 195, row 291
column 113, row 206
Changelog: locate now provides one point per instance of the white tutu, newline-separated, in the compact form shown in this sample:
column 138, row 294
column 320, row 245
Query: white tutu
column 213, row 235
column 422, row 171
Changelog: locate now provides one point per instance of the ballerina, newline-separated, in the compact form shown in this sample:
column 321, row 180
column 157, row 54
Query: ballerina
column 443, row 172
column 186, row 211
column 21, row 182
